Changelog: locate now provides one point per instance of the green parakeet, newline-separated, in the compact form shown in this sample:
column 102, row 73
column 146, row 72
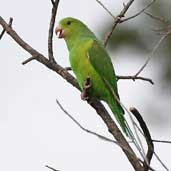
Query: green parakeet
column 89, row 59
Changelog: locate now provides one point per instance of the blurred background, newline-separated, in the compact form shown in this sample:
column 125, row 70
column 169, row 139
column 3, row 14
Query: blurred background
column 35, row 132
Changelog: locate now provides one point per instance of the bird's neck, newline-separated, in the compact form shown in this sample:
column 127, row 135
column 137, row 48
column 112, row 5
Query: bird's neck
column 77, row 39
column 72, row 42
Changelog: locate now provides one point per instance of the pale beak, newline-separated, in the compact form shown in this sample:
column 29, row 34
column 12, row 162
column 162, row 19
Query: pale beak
column 61, row 32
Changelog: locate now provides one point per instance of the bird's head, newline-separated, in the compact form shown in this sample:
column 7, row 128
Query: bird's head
column 72, row 28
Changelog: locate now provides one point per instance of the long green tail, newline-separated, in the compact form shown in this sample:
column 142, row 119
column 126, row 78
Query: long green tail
column 119, row 115
column 113, row 102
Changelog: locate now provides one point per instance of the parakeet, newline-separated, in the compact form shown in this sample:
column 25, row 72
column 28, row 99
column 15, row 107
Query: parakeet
column 90, row 60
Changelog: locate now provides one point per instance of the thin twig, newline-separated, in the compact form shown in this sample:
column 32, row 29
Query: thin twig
column 3, row 31
column 152, row 53
column 80, row 126
column 89, row 131
column 51, row 168
column 158, row 158
column 29, row 60
column 140, row 12
column 165, row 29
column 52, row 1
column 128, row 77
column 117, row 21
column 147, row 136
column 51, row 28
column 157, row 18
column 161, row 141
column 133, row 77
column 103, row 6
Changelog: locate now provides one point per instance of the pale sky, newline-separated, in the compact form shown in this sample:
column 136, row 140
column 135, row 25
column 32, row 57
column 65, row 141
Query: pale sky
column 34, row 131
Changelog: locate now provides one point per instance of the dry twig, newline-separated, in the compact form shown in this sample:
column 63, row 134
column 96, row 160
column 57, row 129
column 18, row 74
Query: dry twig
column 147, row 136
column 152, row 53
column 138, row 13
column 117, row 21
column 51, row 168
column 133, row 77
column 161, row 141
column 89, row 131
column 161, row 19
column 158, row 158
column 82, row 128
column 3, row 31
column 128, row 77
column 51, row 28
column 105, row 9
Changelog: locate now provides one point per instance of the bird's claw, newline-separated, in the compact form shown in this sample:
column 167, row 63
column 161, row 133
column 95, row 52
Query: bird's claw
column 87, row 86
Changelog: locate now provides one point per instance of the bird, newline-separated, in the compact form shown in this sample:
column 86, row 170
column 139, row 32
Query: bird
column 92, row 66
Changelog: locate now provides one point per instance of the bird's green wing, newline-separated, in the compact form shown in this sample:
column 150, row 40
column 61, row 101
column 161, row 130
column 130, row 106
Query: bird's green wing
column 101, row 62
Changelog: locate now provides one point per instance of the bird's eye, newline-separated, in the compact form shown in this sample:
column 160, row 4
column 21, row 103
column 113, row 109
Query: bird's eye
column 68, row 23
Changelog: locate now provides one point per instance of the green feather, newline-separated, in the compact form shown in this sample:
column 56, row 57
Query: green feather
column 89, row 58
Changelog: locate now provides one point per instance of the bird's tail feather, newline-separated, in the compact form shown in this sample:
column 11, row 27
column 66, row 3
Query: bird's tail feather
column 118, row 112
column 119, row 115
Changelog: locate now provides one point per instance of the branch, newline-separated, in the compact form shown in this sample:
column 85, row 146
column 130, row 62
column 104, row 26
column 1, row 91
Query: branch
column 161, row 19
column 162, row 141
column 152, row 53
column 51, row 168
column 29, row 60
column 51, row 28
column 140, row 12
column 105, row 9
column 128, row 77
column 97, row 105
column 119, row 77
column 158, row 158
column 82, row 128
column 9, row 24
column 117, row 21
column 147, row 136
column 89, row 131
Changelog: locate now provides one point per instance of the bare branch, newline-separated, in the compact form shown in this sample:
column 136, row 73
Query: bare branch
column 29, row 60
column 82, row 128
column 133, row 77
column 52, row 1
column 51, row 168
column 89, row 131
column 140, row 12
column 147, row 136
column 158, row 158
column 117, row 21
column 123, row 77
column 9, row 24
column 97, row 105
column 161, row 141
column 164, row 29
column 51, row 28
column 105, row 9
column 161, row 19
column 152, row 53
column 96, row 134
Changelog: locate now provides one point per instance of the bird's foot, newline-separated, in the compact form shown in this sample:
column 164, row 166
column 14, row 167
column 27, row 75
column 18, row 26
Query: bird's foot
column 87, row 86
